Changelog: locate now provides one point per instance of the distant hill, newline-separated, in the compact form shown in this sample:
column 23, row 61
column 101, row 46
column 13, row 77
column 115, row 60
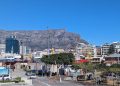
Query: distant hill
column 41, row 39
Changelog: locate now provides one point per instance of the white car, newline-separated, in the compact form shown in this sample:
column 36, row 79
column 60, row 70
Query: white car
column 33, row 76
column 5, row 77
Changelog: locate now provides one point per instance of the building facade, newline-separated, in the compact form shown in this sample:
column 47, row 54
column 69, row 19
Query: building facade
column 12, row 45
column 105, row 49
column 23, row 50
column 2, row 48
column 112, row 59
column 84, row 51
column 116, row 47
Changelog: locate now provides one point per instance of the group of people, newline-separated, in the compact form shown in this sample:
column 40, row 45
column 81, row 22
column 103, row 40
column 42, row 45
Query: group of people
column 47, row 73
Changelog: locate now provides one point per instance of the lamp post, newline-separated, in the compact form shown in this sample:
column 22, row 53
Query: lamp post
column 48, row 44
column 36, row 67
column 21, row 43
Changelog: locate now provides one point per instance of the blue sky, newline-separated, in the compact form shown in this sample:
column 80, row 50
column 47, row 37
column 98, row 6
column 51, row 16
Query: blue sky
column 97, row 21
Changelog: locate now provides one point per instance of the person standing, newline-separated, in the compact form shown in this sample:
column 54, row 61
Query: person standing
column 3, row 78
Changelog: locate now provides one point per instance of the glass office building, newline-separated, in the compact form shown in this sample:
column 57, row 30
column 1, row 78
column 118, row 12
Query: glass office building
column 12, row 45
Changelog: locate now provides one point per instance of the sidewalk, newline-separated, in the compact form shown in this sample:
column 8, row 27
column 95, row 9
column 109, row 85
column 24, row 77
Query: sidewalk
column 18, row 72
column 14, row 84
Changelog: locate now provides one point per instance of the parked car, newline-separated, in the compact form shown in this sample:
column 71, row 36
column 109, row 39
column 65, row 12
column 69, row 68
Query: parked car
column 28, row 73
column 5, row 77
column 33, row 76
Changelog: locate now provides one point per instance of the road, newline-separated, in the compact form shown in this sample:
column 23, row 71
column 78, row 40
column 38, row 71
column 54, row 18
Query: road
column 40, row 81
column 44, row 81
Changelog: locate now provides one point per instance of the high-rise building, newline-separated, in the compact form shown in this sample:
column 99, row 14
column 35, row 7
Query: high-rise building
column 12, row 45
column 105, row 49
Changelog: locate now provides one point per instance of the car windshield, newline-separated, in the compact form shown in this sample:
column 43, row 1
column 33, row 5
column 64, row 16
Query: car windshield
column 6, row 75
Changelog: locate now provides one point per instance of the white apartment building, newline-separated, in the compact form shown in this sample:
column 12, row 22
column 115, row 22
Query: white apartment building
column 84, row 51
column 39, row 54
column 105, row 49
column 116, row 47
column 2, row 48
column 23, row 50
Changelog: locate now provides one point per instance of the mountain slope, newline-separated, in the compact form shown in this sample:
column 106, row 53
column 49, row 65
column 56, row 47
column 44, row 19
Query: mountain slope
column 42, row 39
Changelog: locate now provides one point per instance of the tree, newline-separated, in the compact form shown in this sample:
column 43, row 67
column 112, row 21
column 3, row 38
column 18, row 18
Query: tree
column 62, row 58
column 87, row 67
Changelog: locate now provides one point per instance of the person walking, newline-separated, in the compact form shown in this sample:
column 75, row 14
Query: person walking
column 98, row 80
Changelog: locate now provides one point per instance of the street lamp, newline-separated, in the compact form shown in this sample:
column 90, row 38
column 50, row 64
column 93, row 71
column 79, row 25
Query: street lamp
column 48, row 44
column 21, row 43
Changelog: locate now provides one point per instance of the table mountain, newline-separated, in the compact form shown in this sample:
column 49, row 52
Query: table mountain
column 42, row 39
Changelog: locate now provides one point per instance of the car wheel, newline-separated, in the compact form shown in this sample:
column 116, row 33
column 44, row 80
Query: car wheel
column 78, row 78
column 7, row 79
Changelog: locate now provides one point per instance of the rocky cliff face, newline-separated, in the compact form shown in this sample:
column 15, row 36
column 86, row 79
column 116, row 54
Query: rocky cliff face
column 42, row 39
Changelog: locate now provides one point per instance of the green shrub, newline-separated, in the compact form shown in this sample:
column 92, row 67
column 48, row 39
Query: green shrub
column 6, row 81
column 17, row 79
column 22, row 81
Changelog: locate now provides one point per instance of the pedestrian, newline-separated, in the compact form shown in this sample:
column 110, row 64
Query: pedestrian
column 100, row 80
column 13, row 67
column 97, row 80
column 3, row 78
column 43, row 73
column 43, row 70
column 48, row 73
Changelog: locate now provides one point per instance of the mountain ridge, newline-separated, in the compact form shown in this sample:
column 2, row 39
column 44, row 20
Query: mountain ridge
column 41, row 39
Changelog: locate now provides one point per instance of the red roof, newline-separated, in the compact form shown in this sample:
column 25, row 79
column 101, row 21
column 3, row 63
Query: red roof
column 82, row 61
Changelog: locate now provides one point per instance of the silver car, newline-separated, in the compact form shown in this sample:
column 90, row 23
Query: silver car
column 5, row 77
